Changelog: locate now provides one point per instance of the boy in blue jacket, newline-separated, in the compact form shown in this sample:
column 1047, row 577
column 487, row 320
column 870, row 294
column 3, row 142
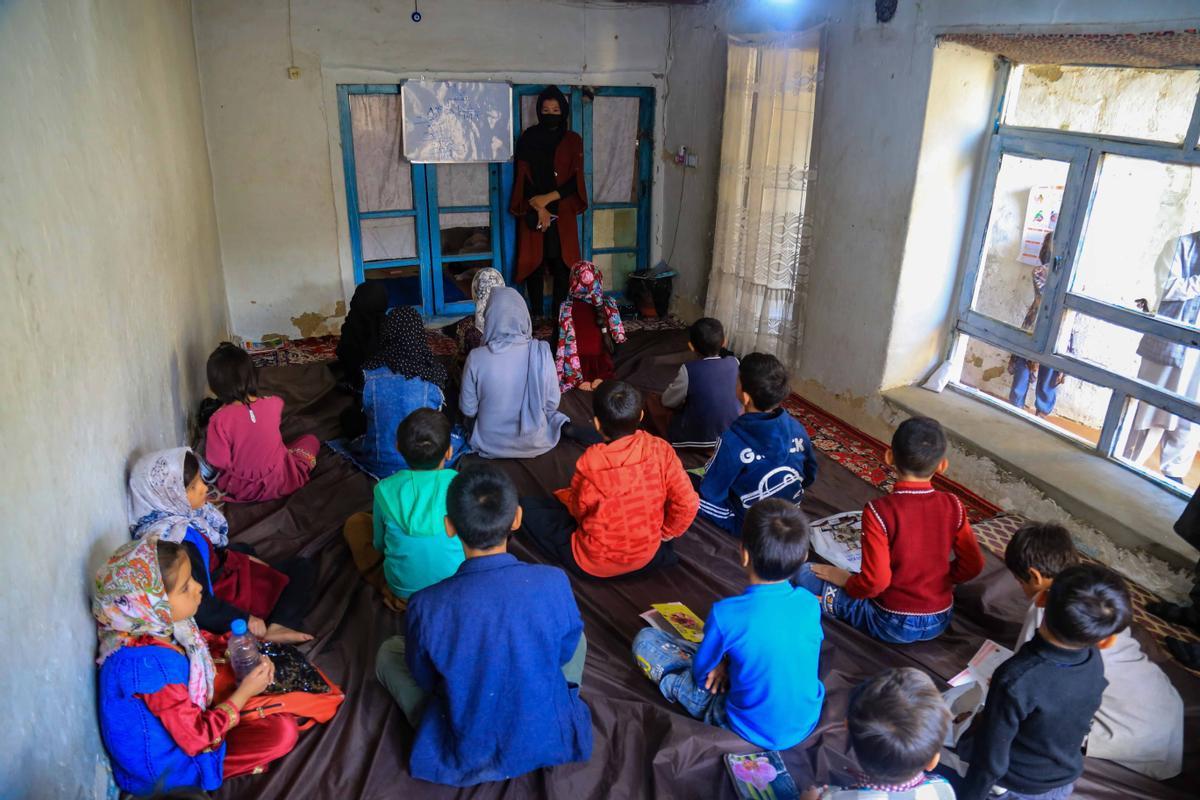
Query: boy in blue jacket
column 765, row 453
column 488, row 672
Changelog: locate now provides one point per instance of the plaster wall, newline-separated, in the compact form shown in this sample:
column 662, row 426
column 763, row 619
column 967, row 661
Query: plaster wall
column 878, row 307
column 111, row 278
column 274, row 142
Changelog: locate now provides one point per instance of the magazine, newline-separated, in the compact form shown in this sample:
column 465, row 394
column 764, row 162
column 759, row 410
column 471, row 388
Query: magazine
column 838, row 539
column 761, row 776
column 969, row 688
column 676, row 619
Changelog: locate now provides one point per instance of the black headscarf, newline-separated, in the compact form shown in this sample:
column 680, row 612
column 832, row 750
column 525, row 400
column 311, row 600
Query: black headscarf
column 404, row 348
column 360, row 331
column 538, row 142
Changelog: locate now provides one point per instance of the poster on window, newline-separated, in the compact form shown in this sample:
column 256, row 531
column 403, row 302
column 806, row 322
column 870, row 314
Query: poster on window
column 1041, row 217
column 454, row 122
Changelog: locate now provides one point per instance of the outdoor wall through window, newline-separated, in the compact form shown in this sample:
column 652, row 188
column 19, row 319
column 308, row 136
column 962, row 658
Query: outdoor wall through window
column 1081, row 299
column 426, row 229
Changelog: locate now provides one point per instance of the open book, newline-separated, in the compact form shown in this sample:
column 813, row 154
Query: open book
column 838, row 539
column 676, row 619
column 969, row 688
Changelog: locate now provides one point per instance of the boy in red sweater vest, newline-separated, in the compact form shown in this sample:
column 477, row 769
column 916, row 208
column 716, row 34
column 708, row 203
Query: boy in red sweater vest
column 629, row 498
column 905, row 591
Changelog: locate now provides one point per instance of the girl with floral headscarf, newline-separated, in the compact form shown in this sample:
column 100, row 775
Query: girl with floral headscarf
column 169, row 499
column 588, row 321
column 156, row 680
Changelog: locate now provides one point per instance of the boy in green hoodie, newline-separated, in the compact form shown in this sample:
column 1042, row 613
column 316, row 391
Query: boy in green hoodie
column 407, row 522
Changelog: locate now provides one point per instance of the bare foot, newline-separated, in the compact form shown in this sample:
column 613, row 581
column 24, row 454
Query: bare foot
column 397, row 604
column 281, row 634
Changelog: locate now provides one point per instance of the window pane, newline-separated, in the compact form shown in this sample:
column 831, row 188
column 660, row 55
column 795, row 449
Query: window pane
column 614, row 149
column 385, row 239
column 462, row 185
column 1138, row 103
column 1131, row 354
column 1159, row 443
column 384, row 177
column 457, row 277
column 528, row 111
column 1024, row 214
column 465, row 233
column 614, row 228
column 1131, row 247
column 1069, row 404
column 616, row 268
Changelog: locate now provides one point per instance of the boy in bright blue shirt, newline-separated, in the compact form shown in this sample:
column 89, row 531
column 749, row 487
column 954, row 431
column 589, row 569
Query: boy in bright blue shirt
column 755, row 673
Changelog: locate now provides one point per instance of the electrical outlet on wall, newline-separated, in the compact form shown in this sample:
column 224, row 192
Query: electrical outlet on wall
column 293, row 73
column 692, row 161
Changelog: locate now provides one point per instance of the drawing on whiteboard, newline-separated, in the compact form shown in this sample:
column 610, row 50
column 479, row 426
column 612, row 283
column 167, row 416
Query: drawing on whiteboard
column 457, row 121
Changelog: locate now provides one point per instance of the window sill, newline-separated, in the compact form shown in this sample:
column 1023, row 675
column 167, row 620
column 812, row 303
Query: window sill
column 1133, row 511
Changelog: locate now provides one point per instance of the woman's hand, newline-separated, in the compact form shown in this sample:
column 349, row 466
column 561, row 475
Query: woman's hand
column 544, row 221
column 540, row 201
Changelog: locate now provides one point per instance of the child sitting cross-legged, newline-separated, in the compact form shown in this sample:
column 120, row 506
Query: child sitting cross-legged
column 765, row 453
column 905, row 591
column 488, row 671
column 1140, row 721
column 629, row 498
column 755, row 672
column 704, row 392
column 1028, row 740
column 406, row 528
column 897, row 721
column 157, row 717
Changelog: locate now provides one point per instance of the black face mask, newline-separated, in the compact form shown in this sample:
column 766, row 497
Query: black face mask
column 552, row 121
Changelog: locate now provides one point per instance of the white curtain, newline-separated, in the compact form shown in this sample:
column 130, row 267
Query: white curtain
column 763, row 238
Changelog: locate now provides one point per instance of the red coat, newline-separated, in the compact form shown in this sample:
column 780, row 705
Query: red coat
column 627, row 497
column 568, row 162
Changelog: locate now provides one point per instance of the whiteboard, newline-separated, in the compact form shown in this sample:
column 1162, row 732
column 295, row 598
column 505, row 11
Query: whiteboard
column 447, row 122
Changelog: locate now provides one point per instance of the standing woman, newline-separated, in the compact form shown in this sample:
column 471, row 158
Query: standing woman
column 548, row 184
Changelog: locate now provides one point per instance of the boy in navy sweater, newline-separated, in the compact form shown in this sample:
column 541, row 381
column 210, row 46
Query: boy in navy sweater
column 1029, row 737
column 489, row 670
column 765, row 453
column 755, row 673
column 704, row 391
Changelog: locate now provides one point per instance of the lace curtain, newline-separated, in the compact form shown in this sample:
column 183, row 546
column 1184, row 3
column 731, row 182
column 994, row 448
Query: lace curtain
column 763, row 240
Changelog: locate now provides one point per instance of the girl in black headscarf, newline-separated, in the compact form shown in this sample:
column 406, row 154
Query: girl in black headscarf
column 360, row 331
column 548, row 194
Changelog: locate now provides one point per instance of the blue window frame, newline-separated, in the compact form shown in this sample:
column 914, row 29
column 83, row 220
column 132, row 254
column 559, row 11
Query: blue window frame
column 447, row 237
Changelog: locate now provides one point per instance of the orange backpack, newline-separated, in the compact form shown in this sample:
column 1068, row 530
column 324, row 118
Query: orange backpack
column 310, row 707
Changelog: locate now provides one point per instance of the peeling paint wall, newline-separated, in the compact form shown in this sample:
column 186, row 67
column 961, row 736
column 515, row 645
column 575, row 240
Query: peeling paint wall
column 111, row 279
column 274, row 142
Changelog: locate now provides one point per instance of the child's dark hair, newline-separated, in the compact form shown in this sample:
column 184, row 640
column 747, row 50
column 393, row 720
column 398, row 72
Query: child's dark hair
column 897, row 722
column 764, row 379
column 191, row 468
column 231, row 374
column 707, row 336
column 423, row 438
column 1044, row 546
column 618, row 408
column 482, row 504
column 775, row 534
column 168, row 563
column 918, row 446
column 1086, row 604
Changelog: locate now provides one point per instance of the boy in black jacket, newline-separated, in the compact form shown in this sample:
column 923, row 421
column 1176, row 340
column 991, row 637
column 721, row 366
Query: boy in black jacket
column 1028, row 738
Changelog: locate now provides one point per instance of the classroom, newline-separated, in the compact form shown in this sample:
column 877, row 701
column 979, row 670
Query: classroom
column 538, row 398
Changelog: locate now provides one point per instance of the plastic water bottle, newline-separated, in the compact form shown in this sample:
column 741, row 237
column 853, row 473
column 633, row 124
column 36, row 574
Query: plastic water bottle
column 243, row 649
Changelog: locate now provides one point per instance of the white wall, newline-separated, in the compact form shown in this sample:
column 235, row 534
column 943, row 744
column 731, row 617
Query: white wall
column 276, row 161
column 110, row 273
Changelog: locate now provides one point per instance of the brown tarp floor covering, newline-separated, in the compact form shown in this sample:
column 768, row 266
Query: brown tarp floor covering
column 644, row 747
